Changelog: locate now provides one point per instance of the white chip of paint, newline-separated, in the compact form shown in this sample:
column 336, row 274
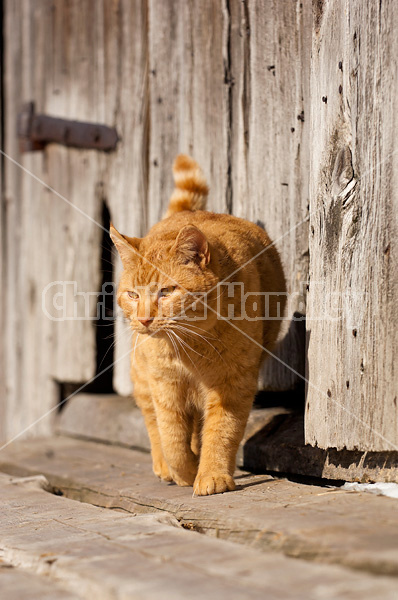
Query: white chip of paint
column 381, row 489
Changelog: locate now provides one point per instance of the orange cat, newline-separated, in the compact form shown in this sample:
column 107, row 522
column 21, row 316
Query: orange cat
column 197, row 290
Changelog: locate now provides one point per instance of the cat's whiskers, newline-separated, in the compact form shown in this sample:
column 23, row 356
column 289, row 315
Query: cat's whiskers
column 111, row 346
column 176, row 347
column 166, row 332
column 135, row 346
column 110, row 336
column 177, row 353
column 114, row 333
column 174, row 321
column 179, row 340
column 106, row 353
column 188, row 332
column 188, row 346
column 202, row 332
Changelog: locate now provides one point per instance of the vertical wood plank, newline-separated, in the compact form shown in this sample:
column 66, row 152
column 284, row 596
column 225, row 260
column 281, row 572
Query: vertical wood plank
column 270, row 59
column 3, row 254
column 96, row 73
column 165, row 40
column 47, row 52
column 187, row 112
column 352, row 313
column 204, row 127
column 19, row 291
column 189, row 96
column 63, row 84
column 126, row 175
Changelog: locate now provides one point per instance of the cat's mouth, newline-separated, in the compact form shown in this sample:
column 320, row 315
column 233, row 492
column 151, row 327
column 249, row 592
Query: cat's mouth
column 152, row 330
column 159, row 328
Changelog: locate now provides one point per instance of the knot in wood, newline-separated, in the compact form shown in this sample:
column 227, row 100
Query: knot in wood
column 343, row 173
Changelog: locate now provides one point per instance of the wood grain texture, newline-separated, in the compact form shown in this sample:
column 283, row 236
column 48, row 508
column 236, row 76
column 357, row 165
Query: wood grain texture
column 29, row 394
column 111, row 555
column 52, row 234
column 125, row 175
column 352, row 314
column 310, row 522
column 189, row 110
column 94, row 74
column 269, row 70
column 19, row 584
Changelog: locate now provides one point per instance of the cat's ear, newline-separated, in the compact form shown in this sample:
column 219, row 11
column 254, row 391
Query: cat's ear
column 191, row 245
column 126, row 246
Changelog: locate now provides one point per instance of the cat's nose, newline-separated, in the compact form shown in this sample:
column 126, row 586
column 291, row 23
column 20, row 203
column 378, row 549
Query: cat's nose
column 145, row 320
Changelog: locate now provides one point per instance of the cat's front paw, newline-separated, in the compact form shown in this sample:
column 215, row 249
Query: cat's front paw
column 213, row 483
column 161, row 469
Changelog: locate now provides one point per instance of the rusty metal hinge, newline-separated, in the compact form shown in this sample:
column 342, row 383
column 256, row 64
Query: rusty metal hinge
column 35, row 131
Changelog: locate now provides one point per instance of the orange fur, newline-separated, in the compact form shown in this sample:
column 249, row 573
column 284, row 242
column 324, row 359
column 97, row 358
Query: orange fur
column 195, row 380
column 191, row 189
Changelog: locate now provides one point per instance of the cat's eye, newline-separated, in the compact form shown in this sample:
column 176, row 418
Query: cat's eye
column 167, row 291
column 132, row 295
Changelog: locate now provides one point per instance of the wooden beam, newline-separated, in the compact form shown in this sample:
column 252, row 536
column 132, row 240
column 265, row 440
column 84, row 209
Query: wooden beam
column 352, row 308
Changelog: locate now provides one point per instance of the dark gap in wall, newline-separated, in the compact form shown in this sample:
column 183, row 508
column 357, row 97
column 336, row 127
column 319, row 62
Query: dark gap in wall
column 67, row 389
column 104, row 327
column 292, row 399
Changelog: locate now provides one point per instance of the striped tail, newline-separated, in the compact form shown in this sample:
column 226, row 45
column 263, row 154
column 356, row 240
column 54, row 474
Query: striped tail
column 191, row 189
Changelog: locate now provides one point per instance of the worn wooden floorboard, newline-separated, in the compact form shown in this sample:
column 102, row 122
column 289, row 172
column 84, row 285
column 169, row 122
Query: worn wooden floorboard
column 106, row 555
column 307, row 521
column 17, row 584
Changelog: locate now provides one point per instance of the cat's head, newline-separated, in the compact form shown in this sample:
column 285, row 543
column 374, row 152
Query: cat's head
column 166, row 279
